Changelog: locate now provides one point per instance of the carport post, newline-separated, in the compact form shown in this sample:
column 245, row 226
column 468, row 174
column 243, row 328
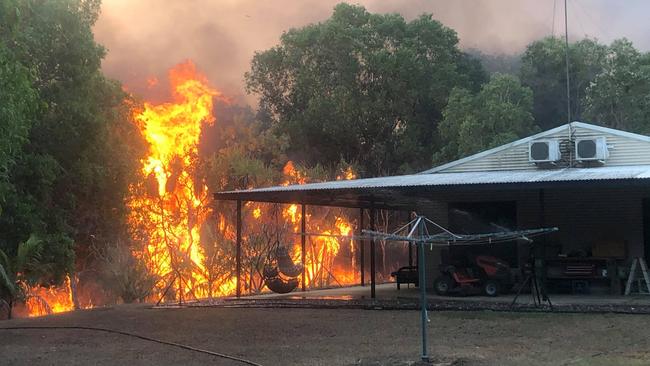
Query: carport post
column 238, row 248
column 303, row 229
column 423, row 290
column 362, row 245
column 373, row 218
column 410, row 249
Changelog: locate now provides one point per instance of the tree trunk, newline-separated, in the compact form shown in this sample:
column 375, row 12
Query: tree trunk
column 73, row 290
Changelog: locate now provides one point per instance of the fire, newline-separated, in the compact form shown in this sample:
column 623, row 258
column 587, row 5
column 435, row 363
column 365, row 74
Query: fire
column 257, row 213
column 169, row 210
column 49, row 301
column 176, row 205
column 329, row 244
column 294, row 176
column 43, row 301
column 322, row 250
column 345, row 228
column 291, row 214
column 347, row 174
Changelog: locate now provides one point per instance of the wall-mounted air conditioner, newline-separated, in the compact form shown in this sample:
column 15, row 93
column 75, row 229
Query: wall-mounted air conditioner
column 544, row 151
column 592, row 148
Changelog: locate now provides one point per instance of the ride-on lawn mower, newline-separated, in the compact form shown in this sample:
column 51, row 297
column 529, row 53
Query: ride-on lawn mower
column 486, row 274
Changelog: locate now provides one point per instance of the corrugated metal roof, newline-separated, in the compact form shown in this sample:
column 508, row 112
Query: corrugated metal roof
column 605, row 173
column 627, row 149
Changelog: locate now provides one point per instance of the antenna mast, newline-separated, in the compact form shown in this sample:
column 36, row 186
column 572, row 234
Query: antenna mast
column 566, row 51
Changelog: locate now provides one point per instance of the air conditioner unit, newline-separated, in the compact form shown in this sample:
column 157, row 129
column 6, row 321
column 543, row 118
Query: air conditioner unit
column 592, row 148
column 544, row 151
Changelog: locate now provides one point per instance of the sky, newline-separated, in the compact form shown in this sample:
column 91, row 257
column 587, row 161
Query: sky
column 144, row 38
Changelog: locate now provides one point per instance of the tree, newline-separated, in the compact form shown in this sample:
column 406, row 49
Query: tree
column 16, row 111
column 363, row 88
column 543, row 70
column 239, row 152
column 619, row 96
column 500, row 62
column 498, row 114
column 79, row 151
column 26, row 268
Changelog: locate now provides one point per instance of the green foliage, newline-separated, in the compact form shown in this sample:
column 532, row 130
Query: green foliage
column 23, row 270
column 7, row 284
column 28, row 257
column 361, row 87
column 73, row 150
column 16, row 113
column 498, row 114
column 370, row 90
column 498, row 63
column 619, row 96
column 238, row 152
column 543, row 70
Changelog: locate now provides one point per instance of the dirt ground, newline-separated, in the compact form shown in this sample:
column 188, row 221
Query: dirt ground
column 328, row 337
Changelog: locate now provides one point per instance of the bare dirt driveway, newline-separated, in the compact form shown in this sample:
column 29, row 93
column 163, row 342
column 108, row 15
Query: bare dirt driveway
column 328, row 337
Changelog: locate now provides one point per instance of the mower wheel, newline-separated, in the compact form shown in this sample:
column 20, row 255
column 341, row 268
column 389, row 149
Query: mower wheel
column 443, row 285
column 491, row 288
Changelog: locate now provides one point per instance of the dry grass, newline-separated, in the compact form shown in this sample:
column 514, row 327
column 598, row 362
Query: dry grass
column 330, row 337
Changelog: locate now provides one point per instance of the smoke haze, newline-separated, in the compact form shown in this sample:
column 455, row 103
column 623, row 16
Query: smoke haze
column 145, row 38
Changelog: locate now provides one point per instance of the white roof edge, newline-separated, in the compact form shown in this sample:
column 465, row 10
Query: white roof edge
column 536, row 136
column 612, row 131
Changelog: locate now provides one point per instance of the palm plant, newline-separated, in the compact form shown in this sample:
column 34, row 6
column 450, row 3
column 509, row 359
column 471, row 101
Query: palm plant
column 17, row 274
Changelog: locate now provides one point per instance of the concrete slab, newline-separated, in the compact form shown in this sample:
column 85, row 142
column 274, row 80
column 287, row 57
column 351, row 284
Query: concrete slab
column 388, row 291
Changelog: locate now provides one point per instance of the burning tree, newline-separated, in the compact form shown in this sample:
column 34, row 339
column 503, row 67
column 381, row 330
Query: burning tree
column 171, row 206
column 21, row 277
column 187, row 246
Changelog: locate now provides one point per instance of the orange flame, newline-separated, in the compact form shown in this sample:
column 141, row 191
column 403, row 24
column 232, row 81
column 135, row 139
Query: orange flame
column 168, row 216
column 294, row 176
column 176, row 209
column 321, row 254
column 347, row 174
column 43, row 301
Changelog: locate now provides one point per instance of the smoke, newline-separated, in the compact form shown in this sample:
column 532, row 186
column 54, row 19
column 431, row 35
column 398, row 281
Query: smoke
column 145, row 38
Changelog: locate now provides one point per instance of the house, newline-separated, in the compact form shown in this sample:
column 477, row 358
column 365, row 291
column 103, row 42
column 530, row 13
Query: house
column 591, row 182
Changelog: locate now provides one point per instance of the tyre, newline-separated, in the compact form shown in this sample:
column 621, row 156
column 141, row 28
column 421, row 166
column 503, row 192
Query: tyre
column 443, row 285
column 491, row 288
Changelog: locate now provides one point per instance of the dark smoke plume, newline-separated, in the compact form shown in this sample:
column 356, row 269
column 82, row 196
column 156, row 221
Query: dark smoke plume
column 146, row 37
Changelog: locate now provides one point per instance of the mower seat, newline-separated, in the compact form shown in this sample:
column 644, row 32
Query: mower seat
column 462, row 277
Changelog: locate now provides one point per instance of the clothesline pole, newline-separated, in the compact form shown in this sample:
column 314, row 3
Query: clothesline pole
column 303, row 226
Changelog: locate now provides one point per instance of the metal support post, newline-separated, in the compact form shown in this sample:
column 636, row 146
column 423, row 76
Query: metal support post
column 373, row 219
column 238, row 248
column 362, row 251
column 410, row 249
column 303, row 230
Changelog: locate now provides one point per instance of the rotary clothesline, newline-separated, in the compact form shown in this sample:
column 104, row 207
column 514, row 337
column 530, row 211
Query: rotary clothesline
column 445, row 238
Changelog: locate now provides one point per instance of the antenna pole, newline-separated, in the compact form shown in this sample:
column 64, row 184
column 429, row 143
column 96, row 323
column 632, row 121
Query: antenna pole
column 566, row 51
column 553, row 26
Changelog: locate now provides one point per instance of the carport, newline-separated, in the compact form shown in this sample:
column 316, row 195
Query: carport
column 541, row 196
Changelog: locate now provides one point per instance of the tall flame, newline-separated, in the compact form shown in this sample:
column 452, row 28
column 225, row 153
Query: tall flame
column 175, row 207
column 168, row 211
